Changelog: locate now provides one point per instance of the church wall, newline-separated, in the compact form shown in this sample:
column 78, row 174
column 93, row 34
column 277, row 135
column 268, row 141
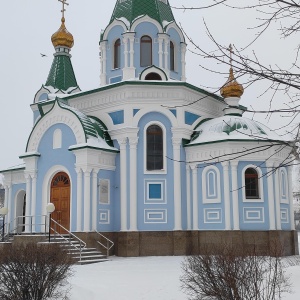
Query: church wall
column 165, row 206
column 55, row 160
column 175, row 38
column 114, row 34
column 145, row 28
column 211, row 210
column 254, row 213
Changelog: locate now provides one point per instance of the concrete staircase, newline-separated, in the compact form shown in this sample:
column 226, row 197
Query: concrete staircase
column 72, row 247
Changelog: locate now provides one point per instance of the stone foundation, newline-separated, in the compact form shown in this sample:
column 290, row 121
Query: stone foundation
column 169, row 243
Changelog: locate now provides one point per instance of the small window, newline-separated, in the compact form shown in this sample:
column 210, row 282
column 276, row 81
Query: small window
column 146, row 51
column 172, row 57
column 153, row 76
column 154, row 148
column 57, row 139
column 117, row 54
column 251, row 184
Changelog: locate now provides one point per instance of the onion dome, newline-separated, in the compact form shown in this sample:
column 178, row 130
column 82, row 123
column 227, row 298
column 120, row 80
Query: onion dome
column 62, row 37
column 231, row 88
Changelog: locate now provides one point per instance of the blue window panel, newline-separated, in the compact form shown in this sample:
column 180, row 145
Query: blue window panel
column 135, row 111
column 190, row 118
column 212, row 185
column 117, row 117
column 115, row 79
column 174, row 112
column 155, row 191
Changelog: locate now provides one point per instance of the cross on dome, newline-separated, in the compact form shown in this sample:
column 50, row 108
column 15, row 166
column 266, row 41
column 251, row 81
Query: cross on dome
column 64, row 2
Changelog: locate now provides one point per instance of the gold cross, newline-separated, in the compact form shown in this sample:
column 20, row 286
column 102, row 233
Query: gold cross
column 64, row 2
column 230, row 49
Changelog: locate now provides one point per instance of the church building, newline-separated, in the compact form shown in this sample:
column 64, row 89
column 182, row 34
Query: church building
column 158, row 165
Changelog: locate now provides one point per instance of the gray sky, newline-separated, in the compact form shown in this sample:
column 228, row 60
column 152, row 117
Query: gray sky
column 26, row 29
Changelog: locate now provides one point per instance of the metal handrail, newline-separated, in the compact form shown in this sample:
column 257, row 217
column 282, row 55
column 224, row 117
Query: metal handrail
column 108, row 241
column 82, row 244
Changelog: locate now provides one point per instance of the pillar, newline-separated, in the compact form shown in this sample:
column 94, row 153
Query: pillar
column 235, row 196
column 87, row 200
column 277, row 196
column 227, row 207
column 290, row 197
column 195, row 197
column 33, row 200
column 183, row 62
column 28, row 202
column 79, row 200
column 94, row 198
column 188, row 197
column 271, row 202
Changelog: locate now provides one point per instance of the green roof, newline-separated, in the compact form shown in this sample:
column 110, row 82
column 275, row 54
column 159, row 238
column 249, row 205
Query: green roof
column 61, row 75
column 131, row 9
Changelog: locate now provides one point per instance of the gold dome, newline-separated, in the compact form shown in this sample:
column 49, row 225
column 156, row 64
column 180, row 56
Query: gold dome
column 62, row 37
column 231, row 88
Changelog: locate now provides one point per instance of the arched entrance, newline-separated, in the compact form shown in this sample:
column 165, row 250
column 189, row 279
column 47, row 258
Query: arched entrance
column 60, row 197
column 20, row 211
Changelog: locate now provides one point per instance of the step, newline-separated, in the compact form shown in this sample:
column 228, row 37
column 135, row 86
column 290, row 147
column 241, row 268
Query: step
column 91, row 261
column 89, row 257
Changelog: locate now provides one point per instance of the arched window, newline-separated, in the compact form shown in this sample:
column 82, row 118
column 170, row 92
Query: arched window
column 153, row 76
column 172, row 57
column 155, row 160
column 251, row 183
column 117, row 54
column 283, row 181
column 146, row 51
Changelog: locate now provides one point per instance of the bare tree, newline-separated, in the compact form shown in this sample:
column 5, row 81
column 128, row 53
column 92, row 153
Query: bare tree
column 235, row 274
column 34, row 272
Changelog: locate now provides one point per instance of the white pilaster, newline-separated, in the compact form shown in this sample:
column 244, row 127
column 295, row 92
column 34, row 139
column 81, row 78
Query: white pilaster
column 87, row 200
column 271, row 200
column 94, row 199
column 188, row 197
column 195, row 197
column 28, row 202
column 133, row 180
column 123, row 180
column 183, row 61
column 6, row 202
column 225, row 166
column 277, row 196
column 177, row 183
column 290, row 195
column 128, row 70
column 33, row 199
column 166, row 54
column 160, row 52
column 235, row 196
column 9, row 206
column 79, row 199
column 103, row 60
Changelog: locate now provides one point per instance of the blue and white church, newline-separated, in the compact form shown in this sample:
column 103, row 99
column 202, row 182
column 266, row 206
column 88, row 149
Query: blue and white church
column 142, row 160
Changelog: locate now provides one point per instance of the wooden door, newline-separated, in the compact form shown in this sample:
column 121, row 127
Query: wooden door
column 60, row 197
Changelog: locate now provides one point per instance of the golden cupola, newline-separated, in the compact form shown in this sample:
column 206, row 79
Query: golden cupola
column 231, row 88
column 62, row 37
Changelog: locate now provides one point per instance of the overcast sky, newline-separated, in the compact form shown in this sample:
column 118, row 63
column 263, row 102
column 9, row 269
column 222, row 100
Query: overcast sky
column 26, row 29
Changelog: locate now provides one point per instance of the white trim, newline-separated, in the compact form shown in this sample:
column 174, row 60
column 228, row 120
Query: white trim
column 213, row 220
column 283, row 198
column 217, row 197
column 156, row 70
column 175, row 26
column 163, row 183
column 162, row 212
column 260, row 184
column 17, row 201
column 105, row 212
column 260, row 217
column 162, row 126
column 284, row 211
column 113, row 24
column 57, row 138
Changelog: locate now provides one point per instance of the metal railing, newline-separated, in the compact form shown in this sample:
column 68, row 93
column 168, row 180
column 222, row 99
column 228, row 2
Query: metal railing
column 109, row 243
column 68, row 237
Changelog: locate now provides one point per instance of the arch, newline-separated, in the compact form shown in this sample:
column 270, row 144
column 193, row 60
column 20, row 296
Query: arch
column 211, row 185
column 116, row 22
column 46, row 187
column 251, row 184
column 146, row 51
column 172, row 56
column 117, row 54
column 142, row 112
column 153, row 69
column 154, row 148
column 20, row 209
column 147, row 19
column 177, row 29
column 60, row 196
column 153, row 76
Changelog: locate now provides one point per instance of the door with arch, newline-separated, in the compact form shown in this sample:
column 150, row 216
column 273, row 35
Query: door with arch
column 60, row 197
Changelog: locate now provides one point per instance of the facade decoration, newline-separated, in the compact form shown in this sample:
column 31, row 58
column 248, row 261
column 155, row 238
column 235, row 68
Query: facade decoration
column 140, row 159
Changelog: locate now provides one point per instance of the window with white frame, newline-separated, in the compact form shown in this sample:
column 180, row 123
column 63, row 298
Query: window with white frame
column 104, row 191
column 172, row 56
column 251, row 184
column 283, row 184
column 211, row 185
column 117, row 54
column 146, row 51
column 154, row 148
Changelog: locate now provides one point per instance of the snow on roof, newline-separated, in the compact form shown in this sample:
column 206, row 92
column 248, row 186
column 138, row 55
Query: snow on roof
column 125, row 21
column 233, row 128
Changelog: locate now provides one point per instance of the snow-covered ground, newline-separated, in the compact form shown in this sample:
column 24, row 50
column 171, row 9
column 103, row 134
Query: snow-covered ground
column 141, row 278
